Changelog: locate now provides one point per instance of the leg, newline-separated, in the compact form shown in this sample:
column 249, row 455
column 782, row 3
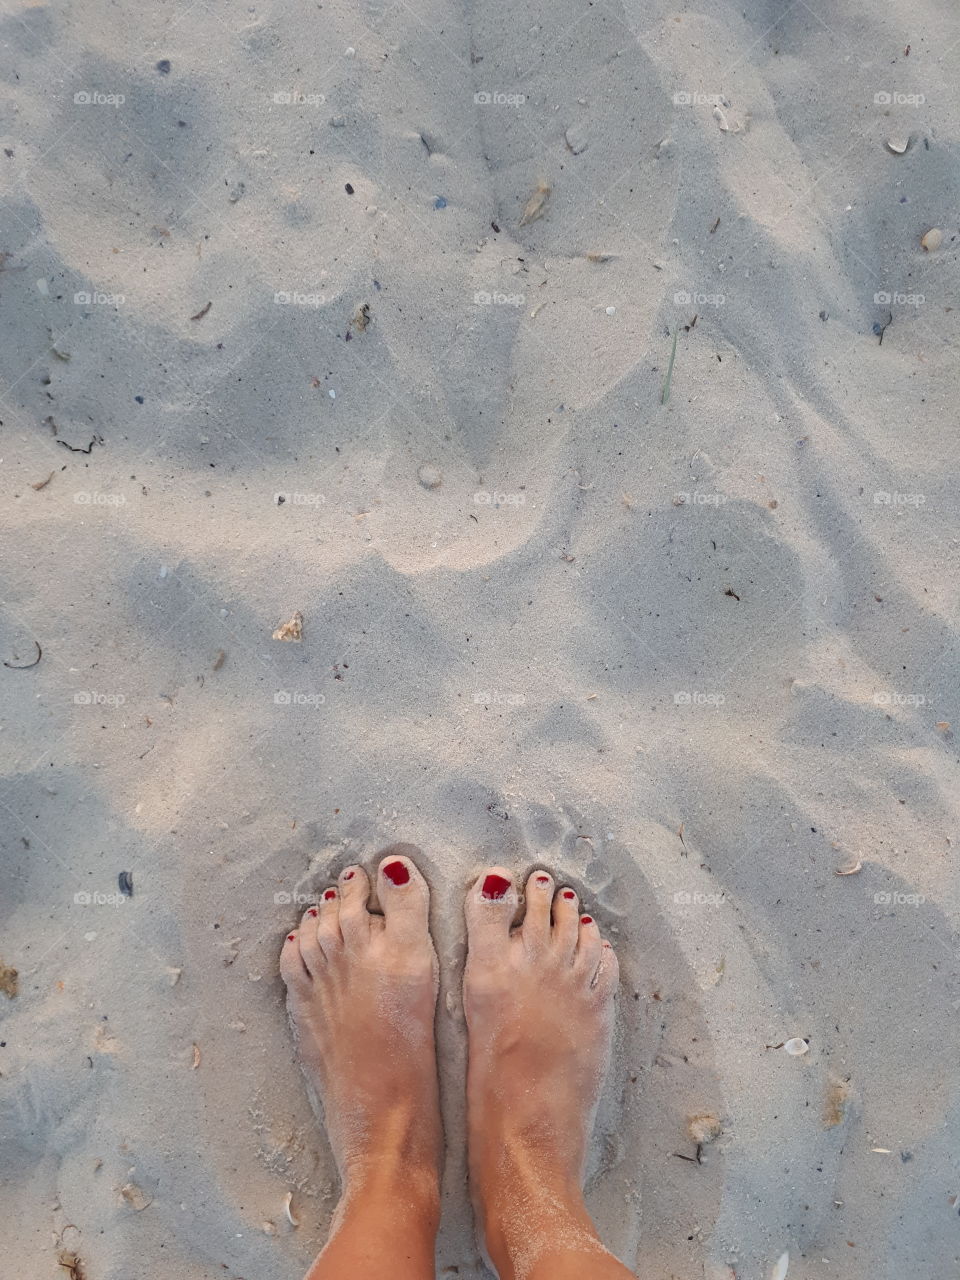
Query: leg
column 362, row 994
column 539, row 1005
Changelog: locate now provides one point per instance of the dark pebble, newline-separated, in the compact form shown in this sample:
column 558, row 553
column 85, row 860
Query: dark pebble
column 163, row 66
column 139, row 399
column 349, row 188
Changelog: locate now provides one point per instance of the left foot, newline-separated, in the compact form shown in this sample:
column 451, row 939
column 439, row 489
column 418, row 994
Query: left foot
column 361, row 995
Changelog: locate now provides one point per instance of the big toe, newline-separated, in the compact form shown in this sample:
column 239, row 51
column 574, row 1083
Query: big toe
column 404, row 896
column 490, row 909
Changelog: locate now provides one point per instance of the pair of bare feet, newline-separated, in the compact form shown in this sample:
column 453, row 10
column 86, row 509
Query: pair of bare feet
column 362, row 991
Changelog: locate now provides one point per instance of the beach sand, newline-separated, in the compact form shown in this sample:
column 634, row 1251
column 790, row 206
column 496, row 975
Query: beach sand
column 691, row 642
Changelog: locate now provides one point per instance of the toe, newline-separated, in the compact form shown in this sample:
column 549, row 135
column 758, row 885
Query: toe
column 353, row 916
column 566, row 921
column 607, row 978
column 328, row 929
column 536, row 919
column 589, row 947
column 292, row 969
column 404, row 896
column 491, row 906
column 310, row 951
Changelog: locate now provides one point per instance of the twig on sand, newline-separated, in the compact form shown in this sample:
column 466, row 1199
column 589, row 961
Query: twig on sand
column 665, row 394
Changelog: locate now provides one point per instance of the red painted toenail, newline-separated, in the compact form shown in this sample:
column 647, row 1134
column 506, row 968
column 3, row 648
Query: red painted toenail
column 312, row 911
column 586, row 919
column 569, row 895
column 397, row 872
column 291, row 937
column 348, row 875
column 494, row 887
column 543, row 879
column 328, row 896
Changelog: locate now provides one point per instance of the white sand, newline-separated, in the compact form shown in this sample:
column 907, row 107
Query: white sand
column 577, row 606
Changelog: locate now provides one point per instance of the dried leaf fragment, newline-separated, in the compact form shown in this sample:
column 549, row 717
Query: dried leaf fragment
column 292, row 630
column 135, row 1196
column 534, row 208
column 219, row 660
column 835, row 1103
column 9, row 981
column 704, row 1128
column 196, row 1057
column 71, row 1263
column 42, row 484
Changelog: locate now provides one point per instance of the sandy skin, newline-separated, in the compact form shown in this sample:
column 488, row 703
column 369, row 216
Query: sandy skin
column 539, row 1001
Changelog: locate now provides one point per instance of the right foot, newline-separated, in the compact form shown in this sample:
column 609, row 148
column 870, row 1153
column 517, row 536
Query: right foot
column 539, row 1003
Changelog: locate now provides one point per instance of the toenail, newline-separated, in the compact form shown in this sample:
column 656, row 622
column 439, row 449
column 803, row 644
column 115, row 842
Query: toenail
column 312, row 911
column 586, row 919
column 328, row 897
column 348, row 875
column 397, row 872
column 494, row 888
column 569, row 895
column 291, row 937
column 543, row 879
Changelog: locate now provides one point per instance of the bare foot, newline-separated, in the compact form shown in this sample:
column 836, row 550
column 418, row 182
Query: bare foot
column 361, row 994
column 539, row 1003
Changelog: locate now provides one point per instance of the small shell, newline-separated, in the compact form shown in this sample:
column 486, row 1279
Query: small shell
column 796, row 1048
column 779, row 1270
column 932, row 240
column 898, row 145
column 135, row 1197
column 850, row 871
column 288, row 1210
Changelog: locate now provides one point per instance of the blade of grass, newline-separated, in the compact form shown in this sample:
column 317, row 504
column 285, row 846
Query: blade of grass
column 665, row 394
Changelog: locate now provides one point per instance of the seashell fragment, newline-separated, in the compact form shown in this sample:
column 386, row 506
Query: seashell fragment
column 288, row 1210
column 932, row 240
column 796, row 1048
column 779, row 1270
